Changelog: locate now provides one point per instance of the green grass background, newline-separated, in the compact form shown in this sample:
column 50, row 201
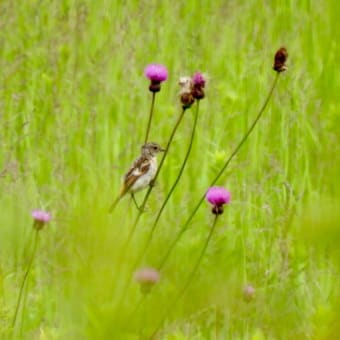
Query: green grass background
column 74, row 106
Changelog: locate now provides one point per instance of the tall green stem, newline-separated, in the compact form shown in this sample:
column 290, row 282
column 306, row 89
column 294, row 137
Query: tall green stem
column 190, row 277
column 238, row 147
column 25, row 277
column 127, row 243
column 150, row 117
column 154, row 180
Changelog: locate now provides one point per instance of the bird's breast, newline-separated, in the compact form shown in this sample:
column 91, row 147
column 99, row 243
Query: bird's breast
column 144, row 180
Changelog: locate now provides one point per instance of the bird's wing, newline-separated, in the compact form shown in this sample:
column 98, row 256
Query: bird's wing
column 140, row 166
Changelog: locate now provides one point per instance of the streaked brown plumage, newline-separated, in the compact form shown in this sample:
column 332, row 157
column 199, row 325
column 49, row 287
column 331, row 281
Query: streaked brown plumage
column 141, row 173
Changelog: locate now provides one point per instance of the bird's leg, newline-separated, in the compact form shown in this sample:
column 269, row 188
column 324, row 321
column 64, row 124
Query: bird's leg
column 134, row 201
column 152, row 183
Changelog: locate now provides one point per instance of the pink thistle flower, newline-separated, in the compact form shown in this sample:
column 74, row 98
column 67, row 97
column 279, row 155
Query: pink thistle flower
column 40, row 218
column 248, row 293
column 198, row 81
column 146, row 277
column 156, row 73
column 218, row 196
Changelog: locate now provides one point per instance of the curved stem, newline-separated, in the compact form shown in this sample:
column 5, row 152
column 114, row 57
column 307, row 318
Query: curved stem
column 25, row 277
column 142, row 207
column 131, row 233
column 150, row 117
column 238, row 147
column 153, row 228
column 191, row 276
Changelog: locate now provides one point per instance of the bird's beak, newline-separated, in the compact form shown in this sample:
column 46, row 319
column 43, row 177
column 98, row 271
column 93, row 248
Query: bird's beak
column 161, row 149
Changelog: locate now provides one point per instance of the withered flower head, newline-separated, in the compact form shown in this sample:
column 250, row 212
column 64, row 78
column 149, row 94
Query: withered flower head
column 185, row 92
column 280, row 60
column 186, row 84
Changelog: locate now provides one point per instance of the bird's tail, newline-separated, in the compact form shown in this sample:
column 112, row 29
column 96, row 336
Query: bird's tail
column 114, row 204
column 122, row 192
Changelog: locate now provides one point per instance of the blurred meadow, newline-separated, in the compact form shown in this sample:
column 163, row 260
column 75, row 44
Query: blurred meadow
column 74, row 106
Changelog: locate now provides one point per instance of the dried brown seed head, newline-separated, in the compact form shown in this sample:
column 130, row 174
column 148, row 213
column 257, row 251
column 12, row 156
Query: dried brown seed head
column 280, row 60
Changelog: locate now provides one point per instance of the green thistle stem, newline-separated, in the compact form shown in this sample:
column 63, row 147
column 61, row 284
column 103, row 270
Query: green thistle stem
column 238, row 147
column 127, row 243
column 25, row 277
column 154, row 180
column 190, row 277
column 150, row 117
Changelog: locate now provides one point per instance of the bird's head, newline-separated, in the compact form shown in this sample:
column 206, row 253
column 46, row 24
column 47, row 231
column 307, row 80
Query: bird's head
column 151, row 149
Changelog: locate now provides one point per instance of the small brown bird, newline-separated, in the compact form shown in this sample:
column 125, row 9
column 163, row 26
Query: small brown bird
column 141, row 173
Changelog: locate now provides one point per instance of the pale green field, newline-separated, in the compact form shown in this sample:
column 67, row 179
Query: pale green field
column 74, row 106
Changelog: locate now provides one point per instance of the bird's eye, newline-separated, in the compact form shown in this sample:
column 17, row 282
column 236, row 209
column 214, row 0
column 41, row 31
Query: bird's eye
column 155, row 147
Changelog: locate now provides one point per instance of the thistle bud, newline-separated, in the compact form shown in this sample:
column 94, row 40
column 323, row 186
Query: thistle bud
column 280, row 60
column 187, row 100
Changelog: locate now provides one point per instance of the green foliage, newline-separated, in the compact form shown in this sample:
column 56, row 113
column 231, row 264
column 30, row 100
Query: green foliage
column 74, row 107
